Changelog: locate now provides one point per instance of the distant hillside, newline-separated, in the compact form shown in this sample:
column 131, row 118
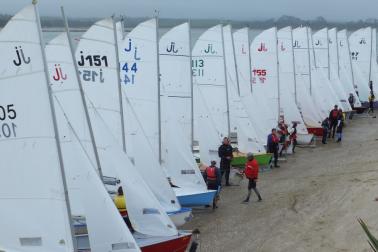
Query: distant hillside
column 320, row 22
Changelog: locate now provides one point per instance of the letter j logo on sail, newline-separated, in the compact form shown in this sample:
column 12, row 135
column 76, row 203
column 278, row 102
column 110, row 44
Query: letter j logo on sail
column 20, row 57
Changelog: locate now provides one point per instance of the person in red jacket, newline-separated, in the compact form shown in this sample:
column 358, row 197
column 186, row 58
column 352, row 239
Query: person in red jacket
column 251, row 172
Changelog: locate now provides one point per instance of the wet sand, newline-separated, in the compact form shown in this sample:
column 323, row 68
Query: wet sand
column 311, row 203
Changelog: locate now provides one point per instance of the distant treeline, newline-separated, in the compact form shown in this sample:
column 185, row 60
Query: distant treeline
column 320, row 22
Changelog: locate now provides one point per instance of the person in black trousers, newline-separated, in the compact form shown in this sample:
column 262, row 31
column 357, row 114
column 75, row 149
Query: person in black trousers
column 325, row 126
column 333, row 115
column 225, row 154
column 272, row 145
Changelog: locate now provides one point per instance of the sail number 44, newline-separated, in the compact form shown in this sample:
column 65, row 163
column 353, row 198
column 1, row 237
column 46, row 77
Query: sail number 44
column 7, row 129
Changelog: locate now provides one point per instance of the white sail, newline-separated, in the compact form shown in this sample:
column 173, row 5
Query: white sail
column 334, row 70
column 87, row 193
column 310, row 113
column 108, row 110
column 140, row 113
column 176, row 104
column 374, row 64
column 176, row 77
column 145, row 211
column 106, row 228
column 345, row 66
column 250, row 102
column 209, row 76
column 264, row 67
column 333, row 87
column 96, row 58
column 360, row 51
column 205, row 130
column 323, row 92
column 287, row 80
column 28, row 145
column 248, row 141
column 138, row 60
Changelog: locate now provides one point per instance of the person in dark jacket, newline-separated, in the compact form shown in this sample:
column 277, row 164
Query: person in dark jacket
column 251, row 171
column 333, row 121
column 371, row 102
column 325, row 126
column 225, row 154
column 293, row 136
column 272, row 145
column 340, row 125
column 212, row 177
column 351, row 100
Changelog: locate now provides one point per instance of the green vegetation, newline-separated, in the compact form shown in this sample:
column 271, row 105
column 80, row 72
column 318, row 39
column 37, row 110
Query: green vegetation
column 318, row 23
column 373, row 242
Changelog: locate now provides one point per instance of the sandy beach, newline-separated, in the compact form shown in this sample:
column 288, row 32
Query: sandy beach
column 311, row 203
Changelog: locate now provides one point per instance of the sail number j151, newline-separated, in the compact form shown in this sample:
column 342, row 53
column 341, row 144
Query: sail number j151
column 7, row 129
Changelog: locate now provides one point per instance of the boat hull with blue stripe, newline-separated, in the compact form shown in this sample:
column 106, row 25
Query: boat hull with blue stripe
column 192, row 198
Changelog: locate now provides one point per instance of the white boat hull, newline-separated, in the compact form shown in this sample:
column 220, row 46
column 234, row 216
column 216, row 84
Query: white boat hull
column 305, row 139
column 179, row 218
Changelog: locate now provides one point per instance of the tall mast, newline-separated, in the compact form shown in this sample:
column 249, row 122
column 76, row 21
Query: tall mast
column 350, row 61
column 294, row 70
column 328, row 55
column 191, row 87
column 119, row 85
column 83, row 100
column 226, row 82
column 278, row 75
column 56, row 131
column 371, row 53
column 158, row 82
column 309, row 60
column 236, row 66
column 250, row 63
column 337, row 53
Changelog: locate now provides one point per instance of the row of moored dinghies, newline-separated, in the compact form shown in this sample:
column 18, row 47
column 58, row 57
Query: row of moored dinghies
column 126, row 110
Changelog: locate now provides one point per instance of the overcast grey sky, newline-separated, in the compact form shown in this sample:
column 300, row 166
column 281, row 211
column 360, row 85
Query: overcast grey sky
column 342, row 10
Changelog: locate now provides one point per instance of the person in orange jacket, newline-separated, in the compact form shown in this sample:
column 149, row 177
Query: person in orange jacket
column 251, row 172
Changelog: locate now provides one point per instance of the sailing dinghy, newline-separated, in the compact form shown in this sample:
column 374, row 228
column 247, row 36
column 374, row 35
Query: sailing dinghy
column 30, row 146
column 154, row 230
column 311, row 114
column 240, row 122
column 106, row 96
column 90, row 200
column 360, row 46
column 288, row 85
column 177, row 122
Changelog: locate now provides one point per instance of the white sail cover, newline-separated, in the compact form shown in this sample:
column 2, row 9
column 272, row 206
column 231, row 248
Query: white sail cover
column 254, row 105
column 360, row 51
column 138, row 61
column 87, row 193
column 248, row 140
column 305, row 102
column 287, row 80
column 176, row 104
column 345, row 66
column 209, row 76
column 264, row 67
column 138, row 125
column 28, row 146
